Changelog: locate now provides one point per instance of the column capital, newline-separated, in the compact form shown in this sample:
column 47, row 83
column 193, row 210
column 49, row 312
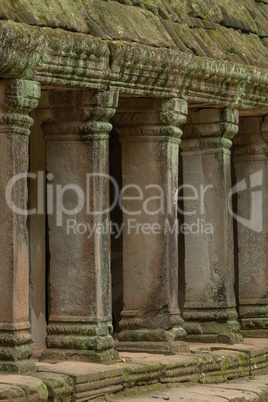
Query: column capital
column 76, row 115
column 203, row 123
column 17, row 99
column 252, row 138
column 264, row 128
column 147, row 119
column 208, row 144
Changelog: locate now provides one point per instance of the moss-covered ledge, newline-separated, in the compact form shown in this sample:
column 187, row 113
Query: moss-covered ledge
column 208, row 365
column 61, row 58
column 71, row 380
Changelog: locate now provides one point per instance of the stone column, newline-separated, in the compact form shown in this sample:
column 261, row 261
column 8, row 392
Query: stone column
column 150, row 135
column 210, row 305
column 17, row 98
column 251, row 190
column 80, row 322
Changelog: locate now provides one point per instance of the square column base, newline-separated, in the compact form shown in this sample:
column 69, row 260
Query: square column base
column 91, row 356
column 255, row 333
column 163, row 348
column 157, row 341
column 16, row 351
column 212, row 324
column 211, row 327
column 213, row 331
column 254, row 318
column 229, row 338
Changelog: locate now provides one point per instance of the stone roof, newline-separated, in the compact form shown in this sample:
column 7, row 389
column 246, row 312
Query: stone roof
column 212, row 52
column 232, row 30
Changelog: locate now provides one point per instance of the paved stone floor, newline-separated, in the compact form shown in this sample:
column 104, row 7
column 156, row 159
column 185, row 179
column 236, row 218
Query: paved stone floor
column 254, row 389
column 211, row 372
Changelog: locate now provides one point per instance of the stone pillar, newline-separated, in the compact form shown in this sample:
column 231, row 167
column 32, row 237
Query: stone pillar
column 251, row 190
column 17, row 98
column 80, row 322
column 37, row 225
column 210, row 305
column 150, row 135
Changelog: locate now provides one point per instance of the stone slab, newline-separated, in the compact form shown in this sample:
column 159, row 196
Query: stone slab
column 81, row 372
column 33, row 388
column 12, row 392
column 59, row 386
column 252, row 390
column 214, row 366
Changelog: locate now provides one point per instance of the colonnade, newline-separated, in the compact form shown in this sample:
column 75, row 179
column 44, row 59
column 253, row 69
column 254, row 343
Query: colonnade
column 151, row 132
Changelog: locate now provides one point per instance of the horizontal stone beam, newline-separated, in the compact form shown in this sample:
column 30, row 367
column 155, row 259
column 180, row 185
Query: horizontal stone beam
column 62, row 58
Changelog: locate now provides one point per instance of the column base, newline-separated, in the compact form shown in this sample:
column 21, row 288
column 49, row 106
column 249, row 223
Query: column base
column 155, row 341
column 80, row 342
column 162, row 348
column 229, row 338
column 90, row 356
column 255, row 333
column 254, row 327
column 254, row 323
column 211, row 327
column 254, row 318
column 15, row 352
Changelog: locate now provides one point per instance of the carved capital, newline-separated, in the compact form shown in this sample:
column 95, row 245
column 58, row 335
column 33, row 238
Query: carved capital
column 174, row 112
column 221, row 123
column 209, row 144
column 76, row 115
column 264, row 129
column 150, row 119
column 17, row 99
column 252, row 138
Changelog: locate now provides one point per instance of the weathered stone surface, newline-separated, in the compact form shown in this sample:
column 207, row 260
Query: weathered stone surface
column 245, row 390
column 33, row 388
column 17, row 98
column 37, row 226
column 12, row 393
column 80, row 325
column 58, row 57
column 212, row 44
column 251, row 163
column 59, row 387
column 141, row 371
column 209, row 266
column 168, row 52
column 114, row 20
column 151, row 318
column 90, row 380
column 81, row 372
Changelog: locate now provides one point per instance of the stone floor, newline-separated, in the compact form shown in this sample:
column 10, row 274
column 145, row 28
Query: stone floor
column 253, row 389
column 206, row 373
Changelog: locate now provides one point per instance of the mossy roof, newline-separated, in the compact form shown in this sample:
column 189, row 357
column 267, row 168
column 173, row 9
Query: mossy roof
column 235, row 30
